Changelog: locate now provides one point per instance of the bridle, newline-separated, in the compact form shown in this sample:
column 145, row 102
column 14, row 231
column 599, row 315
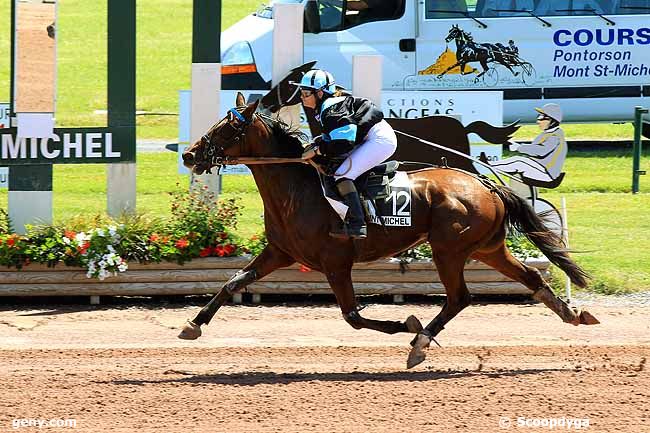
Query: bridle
column 215, row 148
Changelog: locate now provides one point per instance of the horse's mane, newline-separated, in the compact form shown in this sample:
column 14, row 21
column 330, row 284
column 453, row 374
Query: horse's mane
column 291, row 138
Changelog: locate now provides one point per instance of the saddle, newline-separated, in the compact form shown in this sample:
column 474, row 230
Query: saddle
column 374, row 184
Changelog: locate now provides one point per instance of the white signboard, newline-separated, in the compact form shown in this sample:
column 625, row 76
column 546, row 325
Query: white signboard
column 4, row 115
column 4, row 177
column 493, row 152
column 471, row 105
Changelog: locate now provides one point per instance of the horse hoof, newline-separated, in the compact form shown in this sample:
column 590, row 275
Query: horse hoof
column 415, row 358
column 413, row 324
column 586, row 318
column 417, row 354
column 191, row 331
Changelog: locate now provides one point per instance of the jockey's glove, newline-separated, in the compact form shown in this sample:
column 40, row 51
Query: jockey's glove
column 514, row 146
column 310, row 151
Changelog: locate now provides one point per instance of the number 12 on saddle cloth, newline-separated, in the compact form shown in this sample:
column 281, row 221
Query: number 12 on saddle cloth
column 392, row 209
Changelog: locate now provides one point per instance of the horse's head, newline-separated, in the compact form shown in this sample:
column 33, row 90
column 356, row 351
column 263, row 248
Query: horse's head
column 454, row 33
column 235, row 135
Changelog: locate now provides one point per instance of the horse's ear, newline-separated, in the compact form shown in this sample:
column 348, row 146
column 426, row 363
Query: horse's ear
column 248, row 112
column 240, row 100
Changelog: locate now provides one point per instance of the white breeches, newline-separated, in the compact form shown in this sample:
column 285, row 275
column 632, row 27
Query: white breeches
column 378, row 146
column 526, row 166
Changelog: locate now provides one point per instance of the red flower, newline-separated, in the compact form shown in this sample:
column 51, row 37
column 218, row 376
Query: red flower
column 154, row 237
column 229, row 249
column 11, row 242
column 205, row 252
column 304, row 268
column 69, row 234
column 219, row 250
column 182, row 243
column 84, row 247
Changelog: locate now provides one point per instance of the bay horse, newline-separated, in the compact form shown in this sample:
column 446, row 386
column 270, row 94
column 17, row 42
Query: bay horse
column 457, row 213
column 468, row 51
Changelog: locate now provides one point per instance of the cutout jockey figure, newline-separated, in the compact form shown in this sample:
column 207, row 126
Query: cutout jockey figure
column 545, row 155
column 352, row 128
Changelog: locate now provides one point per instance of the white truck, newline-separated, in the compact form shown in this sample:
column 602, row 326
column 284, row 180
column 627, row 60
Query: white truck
column 590, row 56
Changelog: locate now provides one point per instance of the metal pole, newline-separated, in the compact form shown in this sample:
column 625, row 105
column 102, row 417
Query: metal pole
column 565, row 232
column 206, row 78
column 121, row 92
column 636, row 161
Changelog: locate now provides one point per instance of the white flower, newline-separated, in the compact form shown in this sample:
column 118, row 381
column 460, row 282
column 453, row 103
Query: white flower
column 99, row 232
column 111, row 249
column 112, row 230
column 65, row 240
column 81, row 237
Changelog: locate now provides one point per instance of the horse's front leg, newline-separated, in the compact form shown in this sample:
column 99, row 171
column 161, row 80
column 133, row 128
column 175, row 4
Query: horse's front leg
column 341, row 284
column 270, row 259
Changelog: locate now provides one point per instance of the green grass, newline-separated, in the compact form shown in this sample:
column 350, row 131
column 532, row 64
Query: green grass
column 164, row 51
column 163, row 65
column 592, row 131
column 5, row 49
column 610, row 234
column 609, row 227
column 607, row 224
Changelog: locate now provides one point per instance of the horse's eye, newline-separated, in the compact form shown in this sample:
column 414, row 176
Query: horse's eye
column 231, row 116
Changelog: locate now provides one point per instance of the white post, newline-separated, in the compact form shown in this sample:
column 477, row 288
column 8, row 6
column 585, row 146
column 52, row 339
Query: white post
column 287, row 50
column 204, row 111
column 29, row 207
column 367, row 77
column 565, row 232
column 120, row 188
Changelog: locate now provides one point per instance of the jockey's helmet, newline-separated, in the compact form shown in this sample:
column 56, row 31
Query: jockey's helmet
column 551, row 110
column 317, row 79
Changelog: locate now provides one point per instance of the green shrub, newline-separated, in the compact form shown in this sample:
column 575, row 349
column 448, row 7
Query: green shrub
column 199, row 227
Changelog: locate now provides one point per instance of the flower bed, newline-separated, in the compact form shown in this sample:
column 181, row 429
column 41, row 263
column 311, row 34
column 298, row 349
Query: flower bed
column 207, row 275
column 196, row 252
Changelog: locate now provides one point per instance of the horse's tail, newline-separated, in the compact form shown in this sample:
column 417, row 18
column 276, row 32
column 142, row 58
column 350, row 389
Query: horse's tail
column 522, row 217
column 492, row 134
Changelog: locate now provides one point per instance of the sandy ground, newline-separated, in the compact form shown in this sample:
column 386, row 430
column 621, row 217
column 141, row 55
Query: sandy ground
column 36, row 58
column 303, row 369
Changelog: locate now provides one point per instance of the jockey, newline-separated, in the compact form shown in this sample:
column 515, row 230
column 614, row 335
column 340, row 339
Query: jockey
column 352, row 128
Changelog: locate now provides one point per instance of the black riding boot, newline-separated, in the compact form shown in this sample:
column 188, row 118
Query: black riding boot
column 355, row 224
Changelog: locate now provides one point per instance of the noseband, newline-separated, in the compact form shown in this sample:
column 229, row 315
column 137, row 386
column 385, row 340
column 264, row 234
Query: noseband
column 214, row 150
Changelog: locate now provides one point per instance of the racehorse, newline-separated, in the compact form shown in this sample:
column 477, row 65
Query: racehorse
column 457, row 213
column 469, row 51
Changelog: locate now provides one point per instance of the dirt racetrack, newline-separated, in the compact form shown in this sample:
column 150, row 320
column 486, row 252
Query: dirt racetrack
column 303, row 369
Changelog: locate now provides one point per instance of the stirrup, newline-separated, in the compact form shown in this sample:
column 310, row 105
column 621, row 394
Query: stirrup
column 346, row 232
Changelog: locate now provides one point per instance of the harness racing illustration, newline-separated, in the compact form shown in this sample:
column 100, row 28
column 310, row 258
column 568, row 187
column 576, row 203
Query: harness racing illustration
column 488, row 55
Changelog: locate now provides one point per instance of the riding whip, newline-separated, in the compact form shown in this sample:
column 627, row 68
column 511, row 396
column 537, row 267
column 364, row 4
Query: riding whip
column 456, row 152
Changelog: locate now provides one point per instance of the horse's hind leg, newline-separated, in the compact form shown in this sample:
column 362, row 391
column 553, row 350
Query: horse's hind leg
column 450, row 269
column 501, row 260
column 270, row 259
column 341, row 283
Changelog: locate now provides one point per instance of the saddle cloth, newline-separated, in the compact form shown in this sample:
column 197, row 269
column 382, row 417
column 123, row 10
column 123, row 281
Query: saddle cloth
column 385, row 194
